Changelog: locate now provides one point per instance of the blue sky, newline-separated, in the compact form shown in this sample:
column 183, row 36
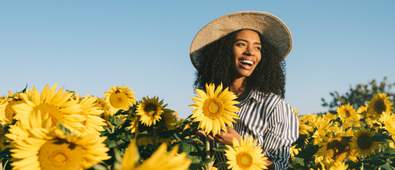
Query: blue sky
column 89, row 46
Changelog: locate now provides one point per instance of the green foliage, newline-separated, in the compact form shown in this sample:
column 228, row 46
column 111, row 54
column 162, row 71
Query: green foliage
column 184, row 135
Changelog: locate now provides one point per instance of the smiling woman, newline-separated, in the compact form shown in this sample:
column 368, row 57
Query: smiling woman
column 245, row 51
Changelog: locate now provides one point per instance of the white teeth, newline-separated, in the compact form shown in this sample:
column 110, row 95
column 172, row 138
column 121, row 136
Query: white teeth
column 246, row 62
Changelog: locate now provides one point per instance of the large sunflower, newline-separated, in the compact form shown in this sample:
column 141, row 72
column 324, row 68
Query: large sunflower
column 363, row 143
column 48, row 109
column 45, row 149
column 246, row 154
column 380, row 103
column 349, row 116
column 160, row 159
column 119, row 98
column 93, row 122
column 214, row 109
column 150, row 110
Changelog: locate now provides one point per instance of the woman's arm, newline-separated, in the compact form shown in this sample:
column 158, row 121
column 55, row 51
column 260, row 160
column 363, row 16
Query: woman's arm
column 282, row 131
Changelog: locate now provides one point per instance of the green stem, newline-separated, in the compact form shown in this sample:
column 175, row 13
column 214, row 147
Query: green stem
column 208, row 149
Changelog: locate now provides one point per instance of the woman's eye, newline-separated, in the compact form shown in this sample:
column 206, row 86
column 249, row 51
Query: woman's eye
column 240, row 44
column 258, row 48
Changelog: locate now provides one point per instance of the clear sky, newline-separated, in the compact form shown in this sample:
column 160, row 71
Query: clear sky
column 90, row 45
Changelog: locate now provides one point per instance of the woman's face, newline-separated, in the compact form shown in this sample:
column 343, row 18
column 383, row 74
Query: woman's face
column 247, row 52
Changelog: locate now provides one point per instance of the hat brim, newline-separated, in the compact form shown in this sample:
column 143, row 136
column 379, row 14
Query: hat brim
column 269, row 26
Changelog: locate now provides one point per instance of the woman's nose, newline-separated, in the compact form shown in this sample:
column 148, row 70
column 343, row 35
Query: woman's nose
column 247, row 52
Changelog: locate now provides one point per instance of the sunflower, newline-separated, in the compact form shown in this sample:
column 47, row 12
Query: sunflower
column 45, row 149
column 363, row 143
column 333, row 163
column 133, row 126
column 305, row 129
column 160, row 159
column 17, row 133
column 362, row 109
column 4, row 118
column 388, row 119
column 325, row 128
column 246, row 154
column 348, row 116
column 48, row 109
column 336, row 148
column 150, row 110
column 2, row 138
column 101, row 103
column 214, row 109
column 380, row 103
column 170, row 119
column 330, row 117
column 339, row 166
column 119, row 98
column 93, row 122
column 6, row 112
column 306, row 125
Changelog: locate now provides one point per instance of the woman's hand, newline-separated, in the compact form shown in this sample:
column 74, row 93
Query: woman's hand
column 228, row 136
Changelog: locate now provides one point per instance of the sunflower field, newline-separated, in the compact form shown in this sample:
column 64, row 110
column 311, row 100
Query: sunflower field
column 54, row 128
column 358, row 131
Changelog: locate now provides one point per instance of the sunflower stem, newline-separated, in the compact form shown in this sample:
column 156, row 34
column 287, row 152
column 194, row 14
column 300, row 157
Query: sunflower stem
column 208, row 149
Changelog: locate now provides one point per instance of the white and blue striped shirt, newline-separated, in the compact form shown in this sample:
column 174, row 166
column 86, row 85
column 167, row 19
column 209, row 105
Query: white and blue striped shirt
column 270, row 120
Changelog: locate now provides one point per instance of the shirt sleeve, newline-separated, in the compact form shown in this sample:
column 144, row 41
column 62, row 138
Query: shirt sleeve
column 281, row 132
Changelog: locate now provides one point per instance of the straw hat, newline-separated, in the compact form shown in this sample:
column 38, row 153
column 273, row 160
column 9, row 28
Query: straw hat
column 271, row 28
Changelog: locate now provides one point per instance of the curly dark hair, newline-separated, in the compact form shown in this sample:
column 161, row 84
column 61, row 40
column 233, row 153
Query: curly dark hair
column 216, row 65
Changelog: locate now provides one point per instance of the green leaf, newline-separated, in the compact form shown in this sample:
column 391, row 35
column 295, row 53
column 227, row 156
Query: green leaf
column 298, row 161
column 387, row 166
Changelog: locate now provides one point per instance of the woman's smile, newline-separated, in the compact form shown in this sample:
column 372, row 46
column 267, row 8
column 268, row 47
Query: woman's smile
column 246, row 64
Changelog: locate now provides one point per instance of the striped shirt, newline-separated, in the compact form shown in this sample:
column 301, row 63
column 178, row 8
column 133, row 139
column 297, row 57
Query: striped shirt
column 271, row 121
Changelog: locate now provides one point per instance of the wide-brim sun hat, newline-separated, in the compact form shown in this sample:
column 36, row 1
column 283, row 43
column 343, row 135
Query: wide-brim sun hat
column 269, row 26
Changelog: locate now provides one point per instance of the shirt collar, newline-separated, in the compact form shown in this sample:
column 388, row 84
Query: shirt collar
column 253, row 95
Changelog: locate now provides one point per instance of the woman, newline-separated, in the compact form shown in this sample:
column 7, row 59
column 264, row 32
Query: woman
column 245, row 51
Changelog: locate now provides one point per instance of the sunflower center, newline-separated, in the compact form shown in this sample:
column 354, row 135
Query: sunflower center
column 212, row 107
column 364, row 141
column 244, row 160
column 60, row 156
column 379, row 106
column 338, row 146
column 348, row 114
column 150, row 109
column 118, row 99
